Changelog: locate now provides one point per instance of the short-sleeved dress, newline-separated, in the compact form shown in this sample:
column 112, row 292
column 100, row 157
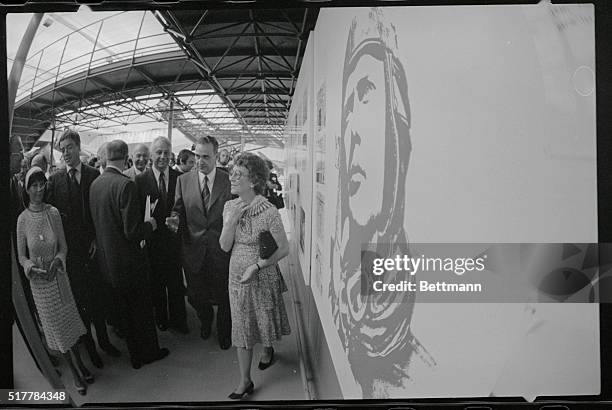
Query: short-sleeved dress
column 257, row 307
column 40, row 239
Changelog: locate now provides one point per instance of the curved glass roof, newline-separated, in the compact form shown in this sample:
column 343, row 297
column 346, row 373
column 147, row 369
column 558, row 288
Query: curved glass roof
column 231, row 76
column 69, row 43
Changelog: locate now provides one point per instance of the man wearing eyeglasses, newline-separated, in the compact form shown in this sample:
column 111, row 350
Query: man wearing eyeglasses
column 198, row 218
column 68, row 191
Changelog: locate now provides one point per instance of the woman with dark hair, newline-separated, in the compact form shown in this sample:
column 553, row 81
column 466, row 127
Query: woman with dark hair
column 255, row 284
column 41, row 247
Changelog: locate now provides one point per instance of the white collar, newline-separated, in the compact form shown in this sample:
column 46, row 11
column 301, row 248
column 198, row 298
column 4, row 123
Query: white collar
column 211, row 175
column 157, row 173
column 78, row 168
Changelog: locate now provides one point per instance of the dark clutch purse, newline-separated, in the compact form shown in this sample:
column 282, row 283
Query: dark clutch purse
column 267, row 245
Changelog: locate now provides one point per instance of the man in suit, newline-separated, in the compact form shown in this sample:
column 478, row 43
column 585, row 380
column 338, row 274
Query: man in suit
column 141, row 159
column 68, row 191
column 119, row 230
column 159, row 184
column 185, row 161
column 198, row 217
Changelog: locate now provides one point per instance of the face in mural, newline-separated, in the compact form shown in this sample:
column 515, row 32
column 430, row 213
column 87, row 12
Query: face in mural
column 374, row 150
column 364, row 137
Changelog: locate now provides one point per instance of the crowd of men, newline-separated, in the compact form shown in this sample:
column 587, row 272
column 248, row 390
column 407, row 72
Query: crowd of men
column 132, row 231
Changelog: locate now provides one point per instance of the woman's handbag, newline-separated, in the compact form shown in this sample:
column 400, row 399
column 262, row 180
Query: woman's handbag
column 280, row 202
column 267, row 245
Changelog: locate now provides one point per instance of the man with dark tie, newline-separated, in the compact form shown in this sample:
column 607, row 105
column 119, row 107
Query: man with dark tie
column 120, row 228
column 198, row 218
column 68, row 191
column 159, row 184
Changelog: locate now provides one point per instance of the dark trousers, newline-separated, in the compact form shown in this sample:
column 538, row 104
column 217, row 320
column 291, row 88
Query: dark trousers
column 204, row 308
column 134, row 312
column 224, row 319
column 167, row 285
column 91, row 296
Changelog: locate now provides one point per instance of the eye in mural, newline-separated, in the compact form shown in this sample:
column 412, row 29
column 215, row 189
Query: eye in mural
column 373, row 156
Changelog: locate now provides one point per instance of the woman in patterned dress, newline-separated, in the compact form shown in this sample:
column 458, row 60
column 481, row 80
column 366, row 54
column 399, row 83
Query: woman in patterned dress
column 42, row 249
column 255, row 285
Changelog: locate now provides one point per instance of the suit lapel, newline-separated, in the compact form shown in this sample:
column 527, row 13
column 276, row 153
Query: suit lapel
column 154, row 187
column 172, row 176
column 218, row 186
column 196, row 190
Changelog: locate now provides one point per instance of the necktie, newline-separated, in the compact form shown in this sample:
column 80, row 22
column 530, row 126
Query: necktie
column 73, row 179
column 162, row 188
column 206, row 193
column 75, row 197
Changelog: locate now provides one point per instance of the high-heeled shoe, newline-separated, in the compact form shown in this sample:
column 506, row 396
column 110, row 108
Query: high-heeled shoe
column 265, row 365
column 239, row 396
column 81, row 387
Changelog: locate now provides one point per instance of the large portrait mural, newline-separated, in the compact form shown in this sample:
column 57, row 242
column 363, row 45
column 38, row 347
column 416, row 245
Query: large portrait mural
column 418, row 130
column 375, row 123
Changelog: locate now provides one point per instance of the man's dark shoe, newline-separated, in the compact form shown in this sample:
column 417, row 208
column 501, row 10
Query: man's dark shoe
column 225, row 343
column 136, row 364
column 161, row 353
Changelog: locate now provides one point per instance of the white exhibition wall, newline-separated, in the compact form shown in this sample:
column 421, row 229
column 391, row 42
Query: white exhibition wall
column 472, row 124
column 299, row 147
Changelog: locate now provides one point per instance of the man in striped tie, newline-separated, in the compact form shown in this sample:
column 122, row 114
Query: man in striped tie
column 198, row 218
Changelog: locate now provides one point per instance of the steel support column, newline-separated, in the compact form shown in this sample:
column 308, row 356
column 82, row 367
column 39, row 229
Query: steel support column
column 18, row 64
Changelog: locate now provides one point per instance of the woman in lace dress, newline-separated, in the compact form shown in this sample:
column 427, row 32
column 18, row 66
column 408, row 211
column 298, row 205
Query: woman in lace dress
column 255, row 285
column 42, row 249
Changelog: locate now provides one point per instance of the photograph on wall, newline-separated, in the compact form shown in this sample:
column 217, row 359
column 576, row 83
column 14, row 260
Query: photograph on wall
column 470, row 160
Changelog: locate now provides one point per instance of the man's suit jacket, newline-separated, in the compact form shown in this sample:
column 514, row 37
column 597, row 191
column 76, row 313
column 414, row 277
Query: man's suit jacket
column 200, row 231
column 120, row 227
column 147, row 185
column 58, row 195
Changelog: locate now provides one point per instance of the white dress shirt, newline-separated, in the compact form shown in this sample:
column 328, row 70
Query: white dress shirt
column 166, row 177
column 211, row 179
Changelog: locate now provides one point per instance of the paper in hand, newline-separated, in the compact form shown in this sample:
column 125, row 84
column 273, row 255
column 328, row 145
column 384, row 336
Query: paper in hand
column 147, row 212
column 153, row 205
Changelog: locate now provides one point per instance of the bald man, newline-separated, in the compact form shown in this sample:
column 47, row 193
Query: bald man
column 159, row 184
column 120, row 228
column 141, row 159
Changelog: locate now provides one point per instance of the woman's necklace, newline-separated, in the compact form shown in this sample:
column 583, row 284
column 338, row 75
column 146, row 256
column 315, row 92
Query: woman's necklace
column 37, row 209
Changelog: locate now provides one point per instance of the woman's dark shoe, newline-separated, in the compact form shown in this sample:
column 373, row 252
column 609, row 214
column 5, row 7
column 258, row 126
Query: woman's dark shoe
column 239, row 396
column 80, row 386
column 265, row 365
